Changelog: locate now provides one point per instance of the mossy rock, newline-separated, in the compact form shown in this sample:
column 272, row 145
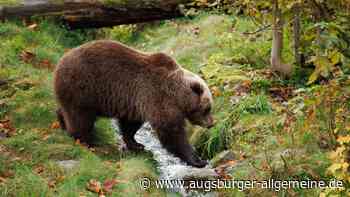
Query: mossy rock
column 223, row 157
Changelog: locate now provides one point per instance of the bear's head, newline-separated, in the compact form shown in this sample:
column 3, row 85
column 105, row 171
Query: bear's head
column 202, row 101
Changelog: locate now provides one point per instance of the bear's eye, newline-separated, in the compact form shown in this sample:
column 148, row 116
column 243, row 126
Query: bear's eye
column 196, row 87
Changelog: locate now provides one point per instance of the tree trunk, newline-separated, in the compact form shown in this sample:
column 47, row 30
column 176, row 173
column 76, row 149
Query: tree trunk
column 93, row 13
column 277, row 43
column 318, row 15
column 296, row 35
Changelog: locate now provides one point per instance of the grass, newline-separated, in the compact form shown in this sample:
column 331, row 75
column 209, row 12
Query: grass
column 252, row 121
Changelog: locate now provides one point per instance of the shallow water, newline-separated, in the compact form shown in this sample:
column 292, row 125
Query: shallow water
column 170, row 167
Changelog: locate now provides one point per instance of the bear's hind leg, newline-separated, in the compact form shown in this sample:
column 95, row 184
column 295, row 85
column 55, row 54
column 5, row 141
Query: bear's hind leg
column 80, row 124
column 60, row 118
column 128, row 130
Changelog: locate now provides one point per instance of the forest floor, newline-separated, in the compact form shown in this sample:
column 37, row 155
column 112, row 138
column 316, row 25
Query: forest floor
column 260, row 117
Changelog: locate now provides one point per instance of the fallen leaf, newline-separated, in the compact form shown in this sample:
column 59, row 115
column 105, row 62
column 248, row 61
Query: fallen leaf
column 60, row 178
column 108, row 185
column 51, row 184
column 7, row 128
column 344, row 139
column 7, row 174
column 55, row 125
column 45, row 137
column 94, row 186
column 222, row 173
column 281, row 93
column 265, row 165
column 27, row 56
column 2, row 180
column 231, row 162
column 77, row 142
column 39, row 169
column 242, row 156
column 216, row 91
column 242, row 88
column 46, row 64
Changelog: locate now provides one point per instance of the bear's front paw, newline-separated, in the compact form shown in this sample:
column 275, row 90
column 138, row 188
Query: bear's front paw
column 197, row 162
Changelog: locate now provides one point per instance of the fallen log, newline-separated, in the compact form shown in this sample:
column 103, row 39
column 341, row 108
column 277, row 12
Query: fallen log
column 96, row 13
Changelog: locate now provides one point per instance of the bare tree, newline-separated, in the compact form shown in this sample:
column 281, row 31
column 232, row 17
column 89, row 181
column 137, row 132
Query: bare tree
column 277, row 43
column 296, row 35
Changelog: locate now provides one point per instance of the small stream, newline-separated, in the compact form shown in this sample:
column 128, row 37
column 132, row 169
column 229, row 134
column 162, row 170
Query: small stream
column 170, row 167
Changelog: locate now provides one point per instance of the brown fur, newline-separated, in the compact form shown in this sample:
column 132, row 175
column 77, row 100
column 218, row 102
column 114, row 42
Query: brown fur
column 108, row 79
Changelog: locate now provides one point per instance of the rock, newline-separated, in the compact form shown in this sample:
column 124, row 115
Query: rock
column 68, row 164
column 282, row 157
column 200, row 174
column 223, row 157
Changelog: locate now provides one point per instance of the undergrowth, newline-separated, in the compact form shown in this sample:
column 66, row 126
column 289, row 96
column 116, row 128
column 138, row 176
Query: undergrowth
column 259, row 117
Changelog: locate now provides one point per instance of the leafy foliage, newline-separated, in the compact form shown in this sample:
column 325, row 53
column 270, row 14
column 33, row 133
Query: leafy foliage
column 331, row 108
column 324, row 31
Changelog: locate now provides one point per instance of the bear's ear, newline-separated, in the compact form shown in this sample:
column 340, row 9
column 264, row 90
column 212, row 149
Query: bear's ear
column 161, row 60
column 196, row 88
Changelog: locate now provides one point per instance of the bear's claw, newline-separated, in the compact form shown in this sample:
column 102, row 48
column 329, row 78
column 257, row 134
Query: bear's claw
column 137, row 147
column 198, row 164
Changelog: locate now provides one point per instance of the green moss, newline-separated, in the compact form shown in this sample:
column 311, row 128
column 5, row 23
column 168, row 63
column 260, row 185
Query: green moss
column 114, row 2
column 10, row 2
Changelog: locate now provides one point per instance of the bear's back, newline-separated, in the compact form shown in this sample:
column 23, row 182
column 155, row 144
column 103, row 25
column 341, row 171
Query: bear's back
column 104, row 54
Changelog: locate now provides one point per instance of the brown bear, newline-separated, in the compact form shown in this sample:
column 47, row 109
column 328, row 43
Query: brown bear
column 107, row 79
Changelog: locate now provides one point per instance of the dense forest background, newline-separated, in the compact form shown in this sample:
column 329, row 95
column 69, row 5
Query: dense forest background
column 279, row 72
